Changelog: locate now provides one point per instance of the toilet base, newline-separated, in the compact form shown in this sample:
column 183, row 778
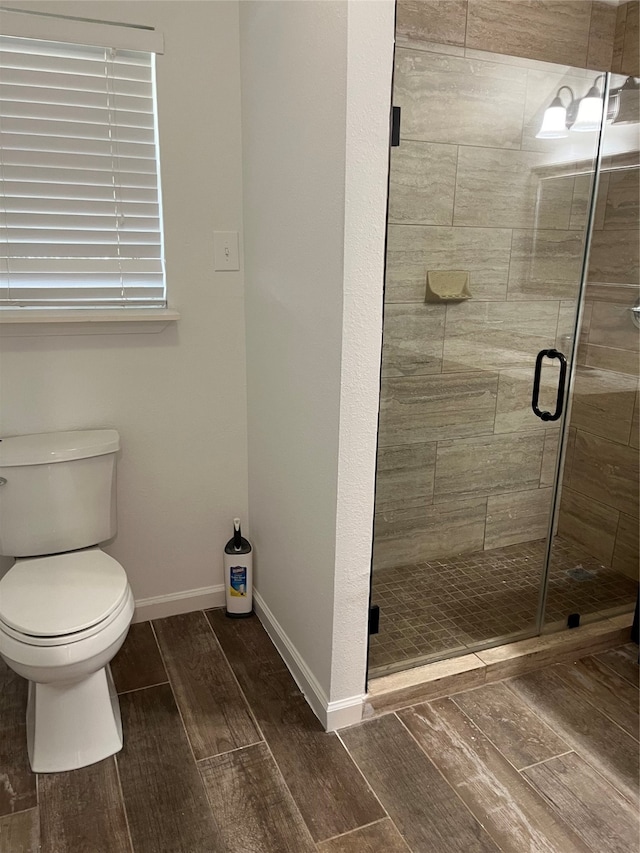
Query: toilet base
column 73, row 724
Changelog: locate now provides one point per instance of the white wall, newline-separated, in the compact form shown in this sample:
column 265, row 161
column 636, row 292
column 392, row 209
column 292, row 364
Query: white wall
column 178, row 398
column 316, row 79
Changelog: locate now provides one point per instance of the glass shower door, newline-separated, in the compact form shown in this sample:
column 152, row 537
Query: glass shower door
column 593, row 566
column 487, row 228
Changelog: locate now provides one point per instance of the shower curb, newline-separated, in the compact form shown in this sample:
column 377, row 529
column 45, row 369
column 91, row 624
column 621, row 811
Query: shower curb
column 447, row 677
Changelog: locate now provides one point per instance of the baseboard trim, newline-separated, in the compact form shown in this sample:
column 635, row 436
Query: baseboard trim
column 159, row 606
column 332, row 715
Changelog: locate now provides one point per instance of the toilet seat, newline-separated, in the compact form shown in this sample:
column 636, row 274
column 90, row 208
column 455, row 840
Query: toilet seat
column 63, row 598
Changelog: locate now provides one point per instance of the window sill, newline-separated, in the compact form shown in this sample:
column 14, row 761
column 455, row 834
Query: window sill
column 131, row 321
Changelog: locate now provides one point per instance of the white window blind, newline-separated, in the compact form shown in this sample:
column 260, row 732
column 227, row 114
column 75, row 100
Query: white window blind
column 80, row 214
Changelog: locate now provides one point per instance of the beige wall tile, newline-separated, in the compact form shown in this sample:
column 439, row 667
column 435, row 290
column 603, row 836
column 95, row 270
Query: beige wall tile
column 614, row 257
column 428, row 408
column 603, row 403
column 443, row 21
column 601, row 34
column 413, row 250
column 485, row 97
column 517, row 517
column 545, row 264
column 413, row 338
column 589, row 524
column 634, row 438
column 550, row 457
column 630, row 62
column 627, row 547
column 405, row 476
column 612, row 325
column 404, row 537
column 609, row 358
column 502, row 189
column 496, row 335
column 623, row 202
column 550, row 30
column 582, row 188
column 487, row 465
column 513, row 409
column 567, row 325
column 605, row 471
column 618, row 39
column 422, row 182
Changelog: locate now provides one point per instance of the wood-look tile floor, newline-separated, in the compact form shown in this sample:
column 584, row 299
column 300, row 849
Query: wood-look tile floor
column 223, row 754
column 461, row 603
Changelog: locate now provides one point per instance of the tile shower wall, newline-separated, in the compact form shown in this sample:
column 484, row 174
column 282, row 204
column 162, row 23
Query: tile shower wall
column 463, row 465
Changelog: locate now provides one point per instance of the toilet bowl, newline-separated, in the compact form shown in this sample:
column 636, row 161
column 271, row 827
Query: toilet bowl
column 65, row 605
column 62, row 619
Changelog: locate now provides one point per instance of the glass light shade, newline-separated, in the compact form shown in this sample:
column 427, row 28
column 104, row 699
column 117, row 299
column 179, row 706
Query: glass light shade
column 554, row 123
column 589, row 116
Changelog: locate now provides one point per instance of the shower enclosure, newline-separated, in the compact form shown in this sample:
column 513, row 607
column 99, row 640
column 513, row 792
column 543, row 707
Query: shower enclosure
column 507, row 477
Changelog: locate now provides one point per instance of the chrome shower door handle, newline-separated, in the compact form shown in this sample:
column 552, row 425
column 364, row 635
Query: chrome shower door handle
column 552, row 354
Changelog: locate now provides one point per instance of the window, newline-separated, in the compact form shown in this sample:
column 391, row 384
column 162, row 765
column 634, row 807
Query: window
column 80, row 203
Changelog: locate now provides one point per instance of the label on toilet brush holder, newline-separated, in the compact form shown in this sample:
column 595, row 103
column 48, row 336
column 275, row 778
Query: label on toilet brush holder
column 238, row 581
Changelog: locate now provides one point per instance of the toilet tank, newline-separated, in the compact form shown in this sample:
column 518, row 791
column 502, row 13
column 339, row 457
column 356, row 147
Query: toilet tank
column 57, row 491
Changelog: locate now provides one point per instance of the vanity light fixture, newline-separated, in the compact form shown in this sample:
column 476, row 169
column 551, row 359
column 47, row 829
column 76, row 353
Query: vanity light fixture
column 590, row 108
column 580, row 114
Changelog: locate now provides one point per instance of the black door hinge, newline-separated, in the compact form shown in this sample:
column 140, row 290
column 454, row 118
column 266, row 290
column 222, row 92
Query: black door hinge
column 395, row 126
column 374, row 619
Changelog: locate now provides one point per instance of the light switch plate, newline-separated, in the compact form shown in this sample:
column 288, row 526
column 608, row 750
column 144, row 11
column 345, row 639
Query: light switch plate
column 225, row 250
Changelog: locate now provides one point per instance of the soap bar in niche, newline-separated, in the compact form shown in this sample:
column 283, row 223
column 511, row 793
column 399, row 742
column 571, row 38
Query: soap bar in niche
column 447, row 286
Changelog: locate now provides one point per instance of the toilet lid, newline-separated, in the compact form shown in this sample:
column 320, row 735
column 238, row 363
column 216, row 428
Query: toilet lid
column 61, row 594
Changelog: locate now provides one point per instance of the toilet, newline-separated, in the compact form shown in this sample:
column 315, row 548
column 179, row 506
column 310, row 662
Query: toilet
column 65, row 605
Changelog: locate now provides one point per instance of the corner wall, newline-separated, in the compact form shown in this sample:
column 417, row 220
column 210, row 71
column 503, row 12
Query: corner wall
column 315, row 137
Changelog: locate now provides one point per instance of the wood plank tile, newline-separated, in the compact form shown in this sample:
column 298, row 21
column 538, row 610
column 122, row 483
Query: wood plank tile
column 83, row 810
column 586, row 803
column 20, row 832
column 214, row 711
column 611, row 694
column 611, row 751
column 327, row 787
column 426, row 810
column 253, row 807
column 521, row 736
column 491, row 787
column 380, row 836
column 138, row 663
column 17, row 782
column 624, row 661
column 166, row 803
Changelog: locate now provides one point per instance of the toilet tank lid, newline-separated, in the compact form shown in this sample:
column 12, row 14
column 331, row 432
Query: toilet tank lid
column 47, row 447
